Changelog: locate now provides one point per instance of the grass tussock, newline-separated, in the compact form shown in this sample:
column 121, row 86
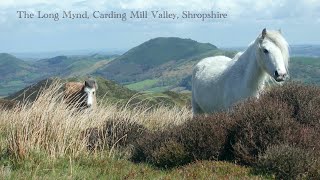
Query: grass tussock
column 49, row 126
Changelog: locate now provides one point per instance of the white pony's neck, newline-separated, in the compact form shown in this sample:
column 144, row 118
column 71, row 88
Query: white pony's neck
column 250, row 74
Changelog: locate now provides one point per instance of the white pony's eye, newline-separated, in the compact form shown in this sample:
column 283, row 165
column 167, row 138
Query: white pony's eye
column 265, row 51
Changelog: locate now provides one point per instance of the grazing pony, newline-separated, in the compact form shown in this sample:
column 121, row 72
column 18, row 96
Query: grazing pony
column 81, row 95
column 218, row 82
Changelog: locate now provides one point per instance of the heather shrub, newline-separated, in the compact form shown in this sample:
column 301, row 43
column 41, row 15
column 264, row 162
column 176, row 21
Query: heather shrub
column 287, row 114
column 200, row 138
column 304, row 99
column 162, row 149
column 205, row 137
column 289, row 162
column 260, row 124
column 114, row 133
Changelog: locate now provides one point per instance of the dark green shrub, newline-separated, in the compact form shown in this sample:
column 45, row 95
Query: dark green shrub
column 304, row 99
column 200, row 138
column 204, row 137
column 162, row 149
column 260, row 124
column 288, row 162
column 114, row 133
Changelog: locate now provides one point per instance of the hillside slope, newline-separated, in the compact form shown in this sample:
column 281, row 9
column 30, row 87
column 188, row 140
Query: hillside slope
column 14, row 73
column 158, row 64
column 153, row 57
column 64, row 66
column 10, row 67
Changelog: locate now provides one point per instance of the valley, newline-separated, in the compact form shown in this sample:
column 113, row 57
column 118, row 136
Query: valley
column 158, row 65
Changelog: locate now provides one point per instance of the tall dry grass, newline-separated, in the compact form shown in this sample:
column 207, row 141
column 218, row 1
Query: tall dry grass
column 49, row 126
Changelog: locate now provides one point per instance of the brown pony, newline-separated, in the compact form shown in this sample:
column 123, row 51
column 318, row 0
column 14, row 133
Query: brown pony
column 81, row 95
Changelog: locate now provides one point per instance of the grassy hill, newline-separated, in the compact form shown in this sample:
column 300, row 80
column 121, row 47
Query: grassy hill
column 16, row 74
column 159, row 63
column 10, row 66
column 64, row 66
column 162, row 50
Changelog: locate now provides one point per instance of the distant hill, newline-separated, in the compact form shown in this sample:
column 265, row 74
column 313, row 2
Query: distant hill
column 305, row 69
column 158, row 64
column 305, row 50
column 64, row 66
column 10, row 67
column 16, row 74
column 147, row 59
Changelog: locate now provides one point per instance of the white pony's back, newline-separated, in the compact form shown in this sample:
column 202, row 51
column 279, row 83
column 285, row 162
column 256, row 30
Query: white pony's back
column 208, row 69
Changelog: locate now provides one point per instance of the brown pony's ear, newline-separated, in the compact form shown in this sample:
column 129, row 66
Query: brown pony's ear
column 91, row 84
column 264, row 33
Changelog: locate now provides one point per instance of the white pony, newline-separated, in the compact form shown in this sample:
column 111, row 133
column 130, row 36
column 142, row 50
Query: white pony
column 218, row 82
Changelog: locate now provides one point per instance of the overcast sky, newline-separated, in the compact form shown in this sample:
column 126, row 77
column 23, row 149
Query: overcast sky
column 299, row 21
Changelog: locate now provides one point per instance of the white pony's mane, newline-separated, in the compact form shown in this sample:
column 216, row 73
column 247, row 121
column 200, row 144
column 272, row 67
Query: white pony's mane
column 277, row 38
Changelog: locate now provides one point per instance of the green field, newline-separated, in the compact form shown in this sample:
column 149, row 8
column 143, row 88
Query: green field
column 305, row 69
column 143, row 85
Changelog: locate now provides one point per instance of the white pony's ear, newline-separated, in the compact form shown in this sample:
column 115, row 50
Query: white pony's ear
column 279, row 30
column 264, row 33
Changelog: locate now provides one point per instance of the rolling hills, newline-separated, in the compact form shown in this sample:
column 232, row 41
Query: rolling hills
column 157, row 65
column 16, row 74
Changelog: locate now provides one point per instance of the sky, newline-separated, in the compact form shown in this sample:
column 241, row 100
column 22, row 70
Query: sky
column 299, row 21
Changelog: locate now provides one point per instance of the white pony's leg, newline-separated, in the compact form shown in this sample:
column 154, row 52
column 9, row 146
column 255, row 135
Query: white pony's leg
column 195, row 107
